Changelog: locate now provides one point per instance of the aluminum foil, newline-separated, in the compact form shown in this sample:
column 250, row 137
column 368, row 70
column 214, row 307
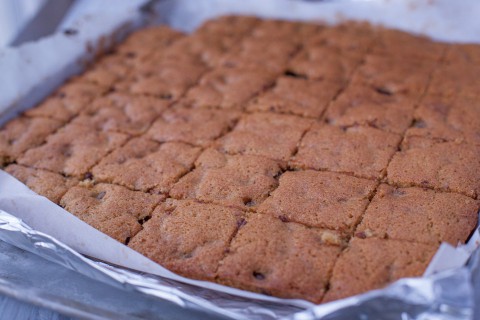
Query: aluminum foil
column 448, row 294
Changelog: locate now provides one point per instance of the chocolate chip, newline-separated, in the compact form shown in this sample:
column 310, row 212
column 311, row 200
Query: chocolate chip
column 167, row 96
column 88, row 176
column 248, row 202
column 130, row 55
column 419, row 123
column 384, row 91
column 241, row 222
column 283, row 218
column 361, row 235
column 290, row 73
column 258, row 275
column 70, row 32
column 101, row 195
column 144, row 219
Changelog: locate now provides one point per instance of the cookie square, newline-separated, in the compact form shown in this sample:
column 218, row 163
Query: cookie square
column 23, row 133
column 48, row 184
column 448, row 118
column 446, row 166
column 456, row 79
column 365, row 106
column 377, row 262
column 199, row 126
column 123, row 113
column 254, row 53
column 467, row 53
column 270, row 135
column 350, row 37
column 395, row 76
column 229, row 25
column 163, row 164
column 361, row 151
column 146, row 41
column 296, row 96
column 228, row 88
column 68, row 101
column 320, row 199
column 73, row 150
column 282, row 259
column 403, row 45
column 419, row 215
column 188, row 237
column 162, row 79
column 242, row 181
column 324, row 63
column 114, row 210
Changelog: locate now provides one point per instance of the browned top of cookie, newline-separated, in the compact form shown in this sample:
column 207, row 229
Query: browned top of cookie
column 447, row 166
column 112, row 209
column 228, row 88
column 188, row 237
column 282, row 259
column 324, row 63
column 144, row 164
column 419, row 215
column 362, row 151
column 273, row 136
column 395, row 76
column 24, row 133
column 243, row 181
column 197, row 126
column 404, row 45
column 67, row 101
column 48, row 184
column 296, row 96
column 367, row 106
column 372, row 263
column 122, row 113
column 73, row 150
column 448, row 118
column 319, row 199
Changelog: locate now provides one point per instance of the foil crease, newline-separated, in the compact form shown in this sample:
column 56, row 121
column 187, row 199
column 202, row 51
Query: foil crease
column 444, row 296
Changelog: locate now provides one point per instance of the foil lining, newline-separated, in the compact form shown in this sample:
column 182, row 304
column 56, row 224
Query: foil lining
column 446, row 295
